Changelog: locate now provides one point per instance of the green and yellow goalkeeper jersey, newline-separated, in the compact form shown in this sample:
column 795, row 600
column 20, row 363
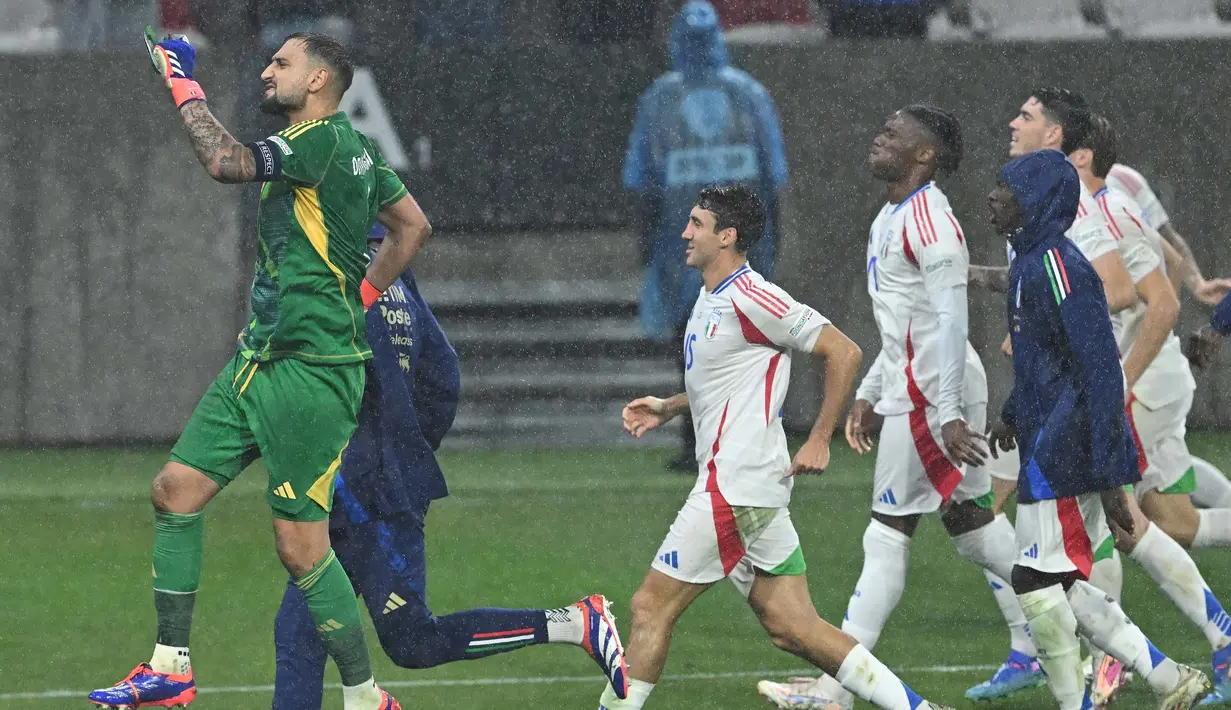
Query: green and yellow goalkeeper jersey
column 312, row 230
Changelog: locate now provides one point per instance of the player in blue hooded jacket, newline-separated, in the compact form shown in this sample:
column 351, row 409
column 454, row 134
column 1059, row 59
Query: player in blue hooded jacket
column 388, row 478
column 1077, row 452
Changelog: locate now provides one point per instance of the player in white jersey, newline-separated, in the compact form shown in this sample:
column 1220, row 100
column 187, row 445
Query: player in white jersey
column 735, row 522
column 1159, row 386
column 1052, row 119
column 1211, row 487
column 927, row 385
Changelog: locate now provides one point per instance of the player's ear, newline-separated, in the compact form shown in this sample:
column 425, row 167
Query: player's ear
column 319, row 79
column 728, row 237
column 925, row 155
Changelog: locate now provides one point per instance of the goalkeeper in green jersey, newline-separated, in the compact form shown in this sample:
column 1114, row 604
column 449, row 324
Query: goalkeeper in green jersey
column 291, row 393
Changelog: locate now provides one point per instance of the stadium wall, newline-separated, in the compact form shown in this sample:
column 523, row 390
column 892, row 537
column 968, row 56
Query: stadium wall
column 125, row 266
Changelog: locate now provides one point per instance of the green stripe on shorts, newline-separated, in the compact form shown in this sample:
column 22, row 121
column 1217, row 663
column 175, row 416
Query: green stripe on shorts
column 792, row 565
column 1106, row 549
column 1185, row 486
column 987, row 501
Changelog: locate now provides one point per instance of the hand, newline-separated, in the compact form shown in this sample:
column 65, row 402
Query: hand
column 1201, row 346
column 812, row 458
column 861, row 422
column 1007, row 346
column 642, row 415
column 1002, row 435
column 961, row 442
column 1211, row 291
column 1116, row 508
column 174, row 59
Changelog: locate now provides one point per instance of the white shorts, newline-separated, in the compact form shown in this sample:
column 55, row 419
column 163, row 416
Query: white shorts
column 710, row 540
column 1162, row 453
column 912, row 470
column 1058, row 536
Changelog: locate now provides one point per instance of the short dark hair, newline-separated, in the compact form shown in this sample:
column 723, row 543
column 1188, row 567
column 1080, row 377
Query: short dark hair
column 735, row 206
column 1070, row 110
column 333, row 53
column 947, row 131
column 1101, row 140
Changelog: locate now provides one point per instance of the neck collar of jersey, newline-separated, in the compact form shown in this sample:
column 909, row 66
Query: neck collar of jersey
column 743, row 269
column 911, row 196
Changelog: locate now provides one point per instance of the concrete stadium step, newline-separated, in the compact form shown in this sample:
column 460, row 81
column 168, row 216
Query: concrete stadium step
column 455, row 296
column 548, row 422
column 564, row 337
column 571, row 378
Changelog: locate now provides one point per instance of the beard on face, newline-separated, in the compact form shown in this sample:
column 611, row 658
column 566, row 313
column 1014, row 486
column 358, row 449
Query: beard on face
column 278, row 105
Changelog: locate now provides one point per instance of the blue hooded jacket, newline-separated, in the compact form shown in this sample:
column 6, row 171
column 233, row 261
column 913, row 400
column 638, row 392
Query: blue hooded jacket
column 1221, row 320
column 1068, row 387
column 409, row 402
column 702, row 123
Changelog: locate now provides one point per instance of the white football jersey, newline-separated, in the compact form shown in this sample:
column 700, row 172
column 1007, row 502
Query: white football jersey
column 915, row 247
column 1168, row 377
column 1089, row 230
column 1124, row 179
column 737, row 364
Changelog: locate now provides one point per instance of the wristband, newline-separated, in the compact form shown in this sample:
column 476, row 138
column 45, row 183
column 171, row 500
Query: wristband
column 185, row 90
column 368, row 293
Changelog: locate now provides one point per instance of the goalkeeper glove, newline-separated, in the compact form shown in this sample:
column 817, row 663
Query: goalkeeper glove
column 174, row 58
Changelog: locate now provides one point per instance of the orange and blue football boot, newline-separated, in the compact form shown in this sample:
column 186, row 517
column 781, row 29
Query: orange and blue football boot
column 147, row 688
column 601, row 640
column 388, row 702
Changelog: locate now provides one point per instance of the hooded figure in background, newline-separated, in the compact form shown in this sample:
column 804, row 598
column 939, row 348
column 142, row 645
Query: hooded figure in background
column 703, row 123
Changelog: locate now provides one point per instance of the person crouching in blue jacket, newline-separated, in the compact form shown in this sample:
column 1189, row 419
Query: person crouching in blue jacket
column 388, row 478
column 1077, row 451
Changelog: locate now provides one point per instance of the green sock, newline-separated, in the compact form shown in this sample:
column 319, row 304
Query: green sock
column 335, row 611
column 179, row 546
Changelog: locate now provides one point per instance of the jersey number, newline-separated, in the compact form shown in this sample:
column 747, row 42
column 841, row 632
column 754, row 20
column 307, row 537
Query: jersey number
column 688, row 356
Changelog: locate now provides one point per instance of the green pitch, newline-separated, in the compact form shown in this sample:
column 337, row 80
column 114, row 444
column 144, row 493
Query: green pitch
column 519, row 530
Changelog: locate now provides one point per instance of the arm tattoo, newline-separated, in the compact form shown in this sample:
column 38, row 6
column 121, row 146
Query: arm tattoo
column 226, row 159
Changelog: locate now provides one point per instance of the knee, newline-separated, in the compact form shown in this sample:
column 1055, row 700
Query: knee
column 163, row 490
column 648, row 611
column 415, row 645
column 1182, row 531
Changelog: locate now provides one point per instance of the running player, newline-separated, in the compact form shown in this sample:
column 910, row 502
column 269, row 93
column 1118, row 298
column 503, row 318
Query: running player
column 927, row 384
column 1211, row 487
column 292, row 391
column 1052, row 119
column 1067, row 378
column 1159, row 386
column 735, row 522
column 388, row 479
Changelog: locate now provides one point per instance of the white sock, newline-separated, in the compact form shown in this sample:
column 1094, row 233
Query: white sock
column 879, row 589
column 170, row 659
column 992, row 547
column 565, row 625
column 1213, row 488
column 871, row 680
column 1213, row 528
column 1054, row 630
column 638, row 691
column 1107, row 575
column 365, row 696
column 1019, row 631
column 1177, row 575
column 1103, row 622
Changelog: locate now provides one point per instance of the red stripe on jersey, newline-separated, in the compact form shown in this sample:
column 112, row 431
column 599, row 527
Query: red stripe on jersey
column 940, row 470
column 752, row 334
column 925, row 236
column 927, row 216
column 1081, row 210
column 1142, row 461
column 745, row 287
column 960, row 239
column 730, row 544
column 1134, row 219
column 906, row 250
column 1063, row 274
column 1077, row 545
column 766, row 295
column 1111, row 221
column 769, row 384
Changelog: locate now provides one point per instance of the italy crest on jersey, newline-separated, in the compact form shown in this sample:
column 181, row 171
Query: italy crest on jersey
column 711, row 326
